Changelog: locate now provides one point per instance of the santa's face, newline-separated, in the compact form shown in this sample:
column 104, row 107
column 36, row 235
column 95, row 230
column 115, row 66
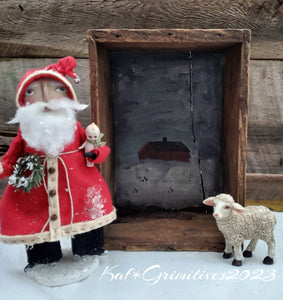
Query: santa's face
column 47, row 121
column 44, row 90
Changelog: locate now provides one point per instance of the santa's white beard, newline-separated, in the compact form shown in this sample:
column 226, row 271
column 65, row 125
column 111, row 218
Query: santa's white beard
column 48, row 127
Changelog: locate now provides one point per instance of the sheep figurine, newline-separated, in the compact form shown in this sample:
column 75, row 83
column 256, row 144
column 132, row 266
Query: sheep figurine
column 238, row 224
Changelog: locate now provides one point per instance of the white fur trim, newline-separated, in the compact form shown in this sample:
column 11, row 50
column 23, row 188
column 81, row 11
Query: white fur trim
column 64, row 231
column 44, row 72
column 1, row 168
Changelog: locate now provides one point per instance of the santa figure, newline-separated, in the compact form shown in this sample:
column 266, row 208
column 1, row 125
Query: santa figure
column 69, row 199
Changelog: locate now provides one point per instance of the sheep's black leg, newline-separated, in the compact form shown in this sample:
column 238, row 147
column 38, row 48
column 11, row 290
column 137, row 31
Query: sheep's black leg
column 250, row 248
column 247, row 253
column 237, row 263
column 227, row 255
column 268, row 260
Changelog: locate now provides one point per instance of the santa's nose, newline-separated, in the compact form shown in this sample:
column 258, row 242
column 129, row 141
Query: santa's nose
column 45, row 92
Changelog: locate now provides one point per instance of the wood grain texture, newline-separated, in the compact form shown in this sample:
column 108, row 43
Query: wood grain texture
column 102, row 113
column 56, row 28
column 235, row 114
column 266, row 90
column 165, row 231
column 265, row 132
column 265, row 189
column 168, row 39
column 265, row 150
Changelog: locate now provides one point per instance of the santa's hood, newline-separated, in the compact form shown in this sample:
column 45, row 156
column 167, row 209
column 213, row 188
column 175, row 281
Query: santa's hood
column 56, row 71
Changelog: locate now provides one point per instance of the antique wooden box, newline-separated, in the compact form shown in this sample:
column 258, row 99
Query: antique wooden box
column 172, row 104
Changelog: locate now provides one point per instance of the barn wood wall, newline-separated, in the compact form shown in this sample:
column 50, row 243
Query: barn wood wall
column 36, row 33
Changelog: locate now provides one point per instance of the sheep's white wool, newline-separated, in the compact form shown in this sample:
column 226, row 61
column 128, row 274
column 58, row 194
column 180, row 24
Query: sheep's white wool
column 255, row 221
column 225, row 198
column 48, row 127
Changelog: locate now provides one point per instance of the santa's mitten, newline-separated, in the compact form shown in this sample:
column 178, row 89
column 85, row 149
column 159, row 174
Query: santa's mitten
column 90, row 155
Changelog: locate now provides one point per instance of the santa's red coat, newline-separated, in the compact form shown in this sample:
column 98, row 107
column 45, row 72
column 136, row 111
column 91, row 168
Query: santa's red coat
column 76, row 198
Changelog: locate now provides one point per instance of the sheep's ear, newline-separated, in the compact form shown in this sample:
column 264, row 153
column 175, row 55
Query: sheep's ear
column 238, row 207
column 209, row 201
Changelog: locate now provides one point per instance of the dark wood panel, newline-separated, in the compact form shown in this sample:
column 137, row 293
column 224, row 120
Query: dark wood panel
column 165, row 231
column 235, row 114
column 57, row 28
column 180, row 39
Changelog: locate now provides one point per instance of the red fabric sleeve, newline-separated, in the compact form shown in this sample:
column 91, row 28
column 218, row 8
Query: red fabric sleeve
column 10, row 158
column 102, row 153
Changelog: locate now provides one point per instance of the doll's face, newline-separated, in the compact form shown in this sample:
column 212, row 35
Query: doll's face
column 92, row 134
column 43, row 90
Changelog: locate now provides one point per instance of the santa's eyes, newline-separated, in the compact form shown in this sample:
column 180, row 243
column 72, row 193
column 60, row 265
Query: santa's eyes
column 29, row 92
column 61, row 89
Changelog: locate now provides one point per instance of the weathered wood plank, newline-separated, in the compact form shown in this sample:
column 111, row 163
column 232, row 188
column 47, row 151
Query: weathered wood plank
column 101, row 111
column 4, row 143
column 265, row 132
column 265, row 150
column 179, row 39
column 235, row 118
column 266, row 90
column 265, row 189
column 59, row 27
column 187, row 231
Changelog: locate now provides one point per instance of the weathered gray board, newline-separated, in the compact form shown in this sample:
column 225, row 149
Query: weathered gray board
column 177, row 95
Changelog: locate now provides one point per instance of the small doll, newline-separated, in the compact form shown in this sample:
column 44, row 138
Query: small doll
column 93, row 141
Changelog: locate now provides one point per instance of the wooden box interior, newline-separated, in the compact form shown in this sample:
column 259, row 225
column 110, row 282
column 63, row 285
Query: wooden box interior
column 178, row 230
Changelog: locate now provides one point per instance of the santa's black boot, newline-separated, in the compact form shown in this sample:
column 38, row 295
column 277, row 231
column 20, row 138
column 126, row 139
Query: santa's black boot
column 89, row 243
column 44, row 253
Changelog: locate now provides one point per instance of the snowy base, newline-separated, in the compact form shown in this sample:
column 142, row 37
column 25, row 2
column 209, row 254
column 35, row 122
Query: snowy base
column 68, row 270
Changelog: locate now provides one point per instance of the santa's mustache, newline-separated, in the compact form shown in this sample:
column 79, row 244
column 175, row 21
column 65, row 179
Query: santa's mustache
column 53, row 106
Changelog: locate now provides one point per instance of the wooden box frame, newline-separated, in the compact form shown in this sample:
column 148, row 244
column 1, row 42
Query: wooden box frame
column 195, row 230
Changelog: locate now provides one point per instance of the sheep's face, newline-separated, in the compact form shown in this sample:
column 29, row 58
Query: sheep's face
column 223, row 206
column 222, row 210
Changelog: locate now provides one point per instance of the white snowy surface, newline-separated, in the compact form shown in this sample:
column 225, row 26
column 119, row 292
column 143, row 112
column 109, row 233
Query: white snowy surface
column 68, row 270
column 166, row 184
column 155, row 275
